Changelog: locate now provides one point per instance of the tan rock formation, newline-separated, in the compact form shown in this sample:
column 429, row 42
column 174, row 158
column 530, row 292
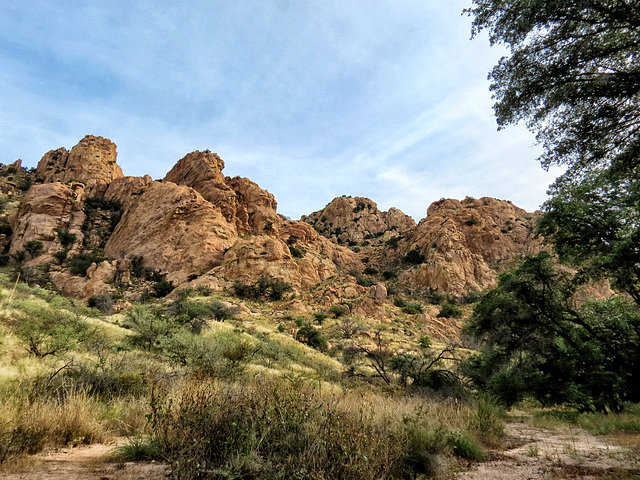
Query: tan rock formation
column 123, row 189
column 242, row 202
column 174, row 229
column 92, row 161
column 98, row 281
column 356, row 219
column 45, row 208
column 463, row 243
column 250, row 258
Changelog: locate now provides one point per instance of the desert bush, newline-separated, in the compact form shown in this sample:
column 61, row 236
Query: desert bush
column 265, row 288
column 150, row 327
column 66, row 238
column 46, row 331
column 311, row 336
column 220, row 312
column 449, row 310
column 413, row 308
column 79, row 263
column 33, row 248
column 338, row 310
column 102, row 302
column 162, row 287
column 414, row 257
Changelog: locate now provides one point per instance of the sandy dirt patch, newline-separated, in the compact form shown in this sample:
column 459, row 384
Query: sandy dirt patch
column 81, row 463
column 540, row 454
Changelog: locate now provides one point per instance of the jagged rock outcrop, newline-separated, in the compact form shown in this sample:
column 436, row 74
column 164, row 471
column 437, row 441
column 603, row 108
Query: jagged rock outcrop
column 355, row 219
column 45, row 208
column 464, row 242
column 92, row 161
column 174, row 229
column 123, row 189
column 242, row 202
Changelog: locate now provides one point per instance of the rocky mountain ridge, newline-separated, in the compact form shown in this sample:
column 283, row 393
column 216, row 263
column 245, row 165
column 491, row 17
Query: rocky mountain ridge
column 199, row 227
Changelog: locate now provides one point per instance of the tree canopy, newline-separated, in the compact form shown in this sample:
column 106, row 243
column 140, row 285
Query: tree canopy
column 540, row 342
column 573, row 74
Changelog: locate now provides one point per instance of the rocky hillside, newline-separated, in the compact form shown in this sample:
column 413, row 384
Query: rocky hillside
column 77, row 223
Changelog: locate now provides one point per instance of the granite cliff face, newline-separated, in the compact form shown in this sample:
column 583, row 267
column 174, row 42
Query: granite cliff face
column 194, row 223
column 92, row 161
column 460, row 245
column 357, row 219
column 198, row 225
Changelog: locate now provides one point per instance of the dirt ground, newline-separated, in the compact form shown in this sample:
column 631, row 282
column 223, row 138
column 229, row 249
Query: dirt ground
column 531, row 454
column 540, row 454
column 81, row 463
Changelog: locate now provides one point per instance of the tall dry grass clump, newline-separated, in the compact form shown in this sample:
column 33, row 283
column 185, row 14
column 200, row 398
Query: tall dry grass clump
column 274, row 428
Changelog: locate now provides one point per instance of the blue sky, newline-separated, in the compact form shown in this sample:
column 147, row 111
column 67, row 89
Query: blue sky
column 386, row 99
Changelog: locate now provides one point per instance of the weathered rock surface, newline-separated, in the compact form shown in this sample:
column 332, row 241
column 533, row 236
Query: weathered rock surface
column 45, row 208
column 355, row 219
column 174, row 229
column 464, row 243
column 92, row 161
column 242, row 202
column 123, row 189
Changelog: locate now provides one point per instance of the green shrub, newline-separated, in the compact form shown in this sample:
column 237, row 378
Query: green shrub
column 296, row 252
column 450, row 310
column 265, row 288
column 102, row 302
column 338, row 310
column 399, row 302
column 413, row 308
column 79, row 263
column 220, row 312
column 311, row 336
column 414, row 257
column 364, row 281
column 66, row 238
column 34, row 248
column 162, row 287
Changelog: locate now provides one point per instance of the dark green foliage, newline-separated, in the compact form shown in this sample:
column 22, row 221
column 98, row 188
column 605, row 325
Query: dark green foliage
column 471, row 221
column 320, row 317
column 413, row 308
column 414, row 257
column 61, row 255
column 399, row 301
column 5, row 228
column 102, row 302
column 292, row 240
column 425, row 369
column 4, row 259
column 595, row 226
column 538, row 343
column 203, row 290
column 296, row 252
column 573, row 75
column 338, row 310
column 47, row 331
column 34, row 247
column 311, row 336
column 138, row 449
column 370, row 271
column 79, row 263
column 66, row 238
column 101, row 203
column 364, row 281
column 393, row 242
column 388, row 275
column 449, row 310
column 220, row 312
column 162, row 287
column 266, row 288
column 138, row 269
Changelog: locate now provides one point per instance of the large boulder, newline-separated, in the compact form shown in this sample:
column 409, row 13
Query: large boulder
column 174, row 229
column 92, row 161
column 46, row 209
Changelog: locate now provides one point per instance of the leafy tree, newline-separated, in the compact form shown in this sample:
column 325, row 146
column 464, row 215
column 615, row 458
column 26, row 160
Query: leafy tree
column 538, row 342
column 47, row 331
column 595, row 226
column 34, row 248
column 573, row 75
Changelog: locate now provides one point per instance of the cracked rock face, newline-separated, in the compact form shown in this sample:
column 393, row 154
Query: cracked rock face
column 92, row 161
